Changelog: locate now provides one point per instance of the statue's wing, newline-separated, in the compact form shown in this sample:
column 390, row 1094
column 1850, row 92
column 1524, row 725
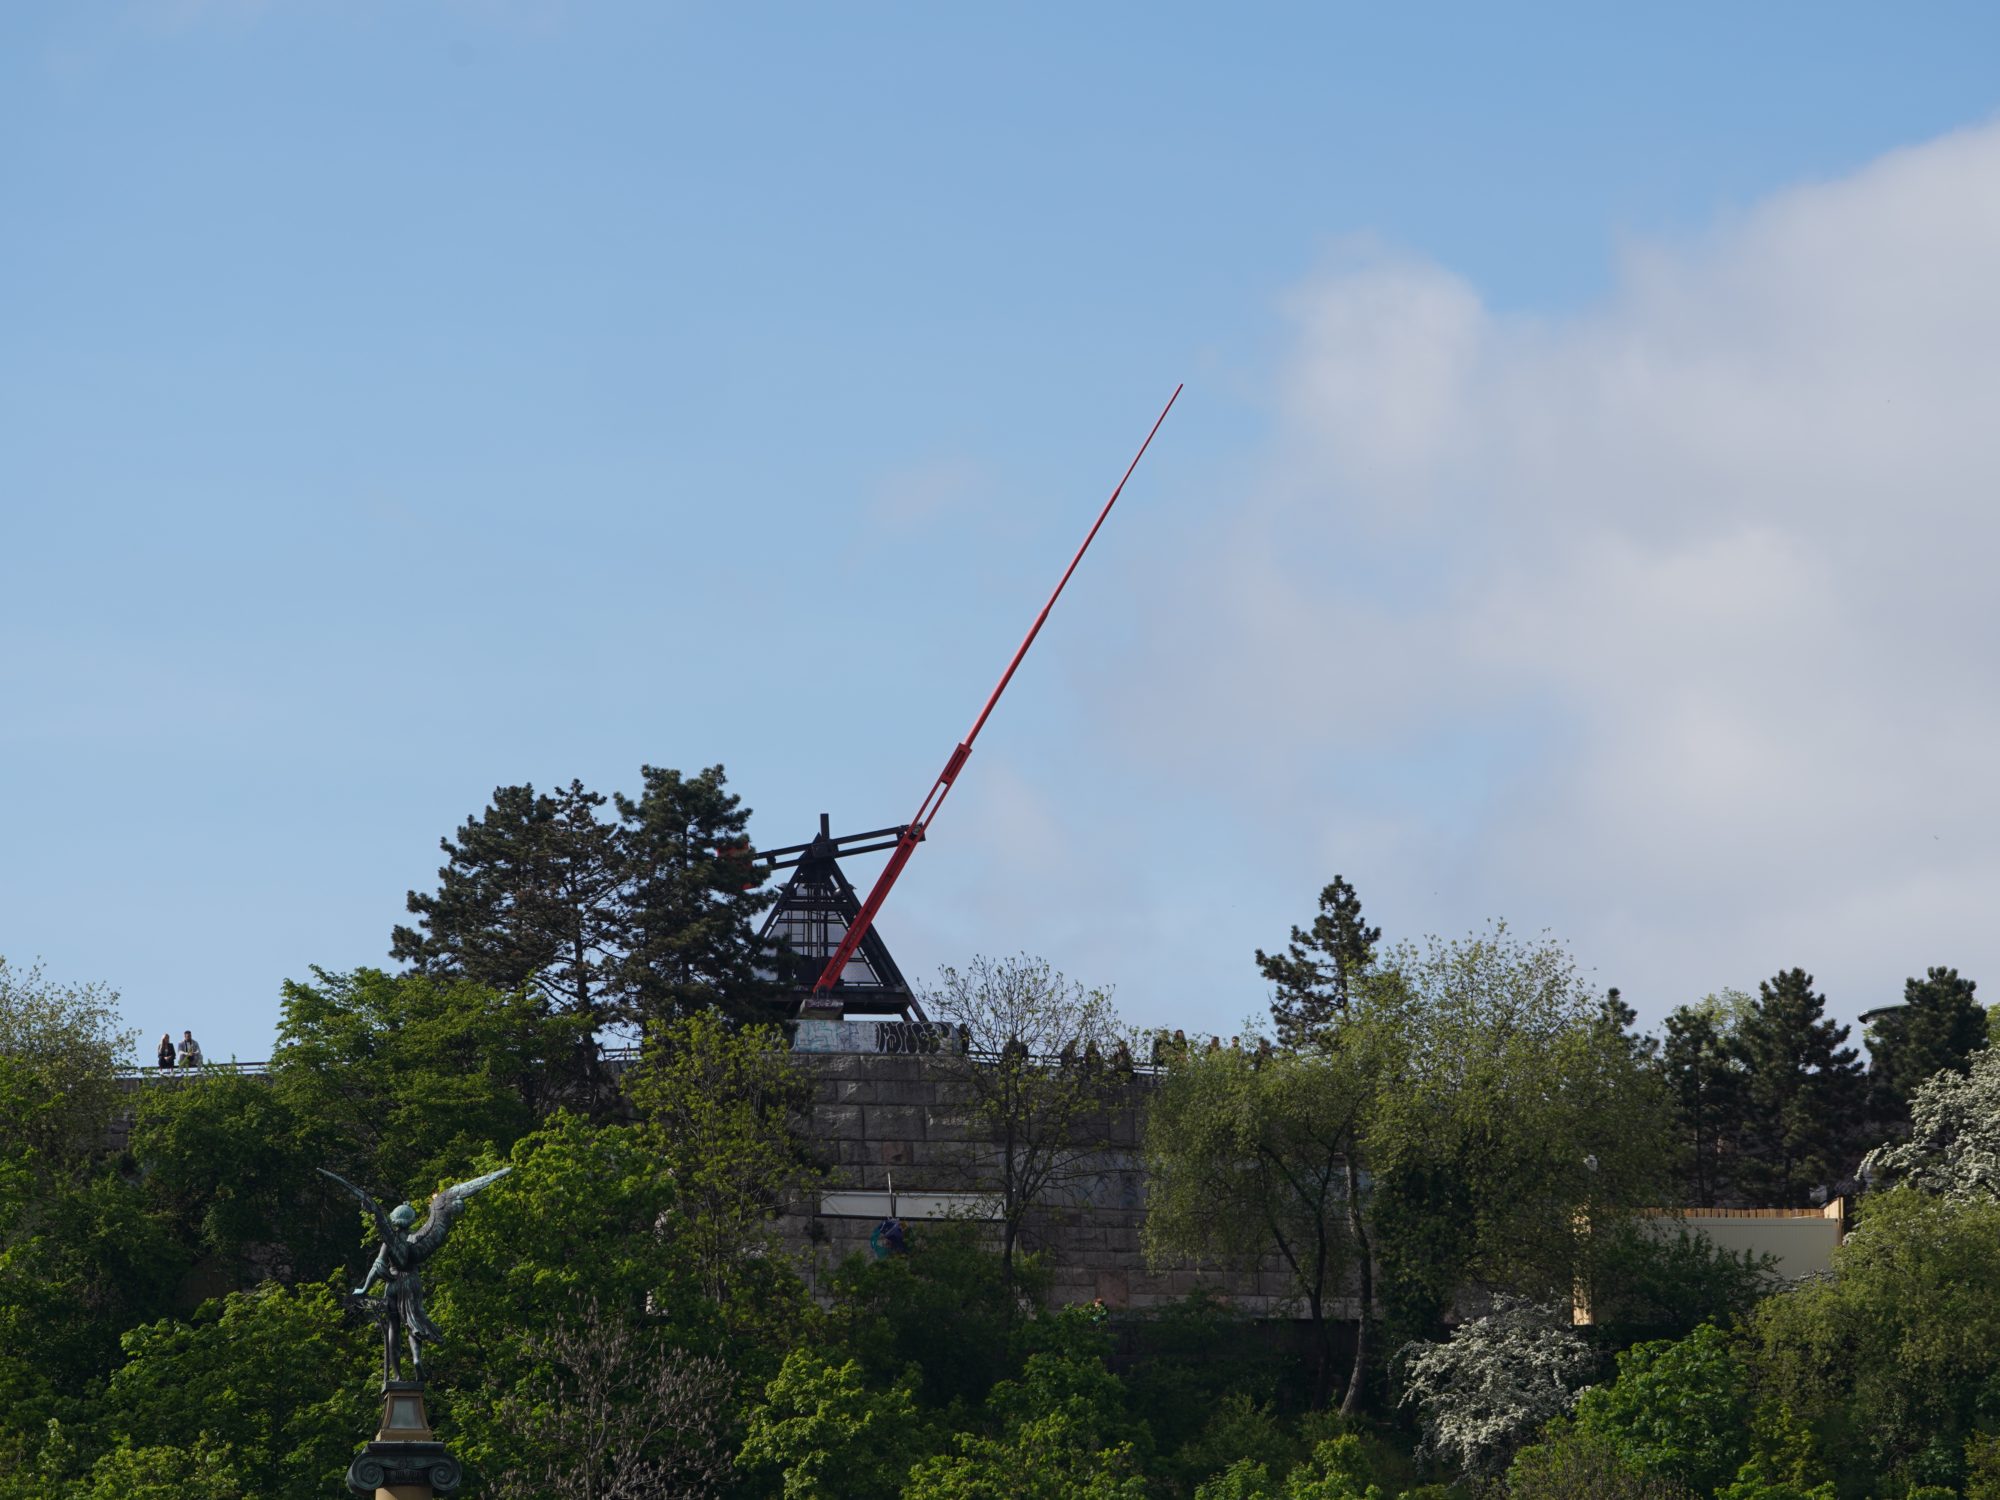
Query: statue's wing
column 446, row 1206
column 382, row 1225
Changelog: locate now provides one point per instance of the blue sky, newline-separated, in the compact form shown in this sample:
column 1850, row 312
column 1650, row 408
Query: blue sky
column 399, row 400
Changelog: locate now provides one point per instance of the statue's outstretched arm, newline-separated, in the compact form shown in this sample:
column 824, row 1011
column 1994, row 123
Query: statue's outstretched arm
column 380, row 1268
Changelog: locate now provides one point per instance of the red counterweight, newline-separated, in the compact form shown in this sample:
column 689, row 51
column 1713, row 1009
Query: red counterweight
column 913, row 834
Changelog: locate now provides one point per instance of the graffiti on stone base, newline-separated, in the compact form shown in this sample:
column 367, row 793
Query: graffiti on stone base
column 910, row 1037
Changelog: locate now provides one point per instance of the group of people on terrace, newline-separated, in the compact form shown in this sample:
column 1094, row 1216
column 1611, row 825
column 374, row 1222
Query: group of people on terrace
column 1169, row 1048
column 187, row 1055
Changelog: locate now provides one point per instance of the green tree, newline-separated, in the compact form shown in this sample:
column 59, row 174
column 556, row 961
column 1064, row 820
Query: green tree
column 167, row 1471
column 1337, row 1470
column 944, row 1310
column 529, row 895
column 224, row 1161
column 1678, row 1409
column 81, row 1260
column 1569, row 1464
column 1061, row 1432
column 1519, row 1131
column 1705, row 1076
column 1042, row 1132
column 1892, row 1358
column 828, row 1435
column 690, row 904
column 1937, row 1029
column 399, row 1081
column 272, row 1376
column 1804, row 1093
column 1316, row 975
column 723, row 1109
column 1253, row 1155
column 62, row 1043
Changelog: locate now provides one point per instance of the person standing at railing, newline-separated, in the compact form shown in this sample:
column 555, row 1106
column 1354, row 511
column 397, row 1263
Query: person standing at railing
column 190, row 1050
column 166, row 1052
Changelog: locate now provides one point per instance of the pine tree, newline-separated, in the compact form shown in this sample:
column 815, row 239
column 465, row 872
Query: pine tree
column 1706, row 1078
column 1936, row 1029
column 690, row 905
column 1805, row 1092
column 1316, row 974
column 527, row 896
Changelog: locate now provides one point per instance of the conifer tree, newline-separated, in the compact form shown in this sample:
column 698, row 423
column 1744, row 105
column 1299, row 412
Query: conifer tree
column 1315, row 976
column 527, row 896
column 1804, row 1091
column 689, row 908
column 1936, row 1029
column 1705, row 1076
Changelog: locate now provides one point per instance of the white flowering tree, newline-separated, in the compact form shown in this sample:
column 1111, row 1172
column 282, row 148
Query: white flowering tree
column 1489, row 1388
column 1954, row 1145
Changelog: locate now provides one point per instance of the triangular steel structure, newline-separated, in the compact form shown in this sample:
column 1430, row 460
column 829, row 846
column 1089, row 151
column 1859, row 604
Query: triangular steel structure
column 811, row 916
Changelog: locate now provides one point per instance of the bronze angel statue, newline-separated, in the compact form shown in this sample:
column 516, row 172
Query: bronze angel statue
column 401, row 1308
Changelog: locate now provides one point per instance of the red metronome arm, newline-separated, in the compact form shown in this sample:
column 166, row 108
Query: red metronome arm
column 913, row 835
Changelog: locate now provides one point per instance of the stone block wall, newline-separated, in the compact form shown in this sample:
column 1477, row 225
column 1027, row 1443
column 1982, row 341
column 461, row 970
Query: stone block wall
column 881, row 1118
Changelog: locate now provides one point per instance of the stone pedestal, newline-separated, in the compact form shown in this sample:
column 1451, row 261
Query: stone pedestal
column 405, row 1461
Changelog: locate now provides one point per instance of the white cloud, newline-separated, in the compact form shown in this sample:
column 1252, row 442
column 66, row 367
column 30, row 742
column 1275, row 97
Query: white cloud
column 1682, row 603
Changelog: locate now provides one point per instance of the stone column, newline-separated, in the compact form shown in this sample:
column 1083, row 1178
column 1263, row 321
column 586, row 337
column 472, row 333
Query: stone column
column 405, row 1461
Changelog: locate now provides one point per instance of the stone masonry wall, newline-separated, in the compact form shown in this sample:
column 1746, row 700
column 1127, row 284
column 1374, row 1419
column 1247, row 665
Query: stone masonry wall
column 879, row 1116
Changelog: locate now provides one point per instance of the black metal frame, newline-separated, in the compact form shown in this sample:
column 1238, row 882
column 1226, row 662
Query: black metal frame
column 819, row 898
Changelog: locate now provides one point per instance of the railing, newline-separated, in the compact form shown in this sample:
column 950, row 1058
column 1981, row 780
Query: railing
column 620, row 1058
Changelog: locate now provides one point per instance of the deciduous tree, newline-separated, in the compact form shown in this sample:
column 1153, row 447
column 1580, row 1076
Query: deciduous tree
column 1038, row 1107
column 1253, row 1155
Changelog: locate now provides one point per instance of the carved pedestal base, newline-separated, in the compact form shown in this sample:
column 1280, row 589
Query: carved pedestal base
column 406, row 1461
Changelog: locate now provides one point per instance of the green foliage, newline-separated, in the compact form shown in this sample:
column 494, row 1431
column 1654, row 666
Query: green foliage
column 721, row 1107
column 80, row 1258
column 401, row 1082
column 1062, row 1429
column 225, row 1160
column 944, row 1309
column 1249, row 1156
column 1521, row 1126
column 1705, row 1077
column 829, row 1435
column 1783, row 1464
column 689, row 902
column 528, row 897
column 1571, row 1463
column 1199, row 1367
column 1653, row 1276
column 1803, row 1093
column 61, row 1044
column 1894, row 1361
column 1937, row 1029
column 1677, row 1409
column 1338, row 1469
column 201, row 1467
column 1315, row 976
column 271, row 1376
